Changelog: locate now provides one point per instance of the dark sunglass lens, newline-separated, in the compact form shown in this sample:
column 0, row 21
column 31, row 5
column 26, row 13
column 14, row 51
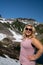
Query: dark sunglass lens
column 30, row 29
column 26, row 28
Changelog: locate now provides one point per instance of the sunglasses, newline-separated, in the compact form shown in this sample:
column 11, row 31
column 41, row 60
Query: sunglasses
column 28, row 29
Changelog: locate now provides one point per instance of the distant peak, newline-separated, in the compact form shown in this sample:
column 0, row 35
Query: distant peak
column 30, row 19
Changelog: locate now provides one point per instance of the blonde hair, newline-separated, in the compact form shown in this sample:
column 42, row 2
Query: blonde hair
column 33, row 31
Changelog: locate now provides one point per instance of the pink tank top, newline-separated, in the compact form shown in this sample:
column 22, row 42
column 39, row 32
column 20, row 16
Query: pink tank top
column 26, row 50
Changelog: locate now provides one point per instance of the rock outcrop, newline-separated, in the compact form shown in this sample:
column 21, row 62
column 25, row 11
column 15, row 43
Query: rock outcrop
column 12, row 49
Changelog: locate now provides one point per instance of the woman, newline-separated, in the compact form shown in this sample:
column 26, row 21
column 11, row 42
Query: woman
column 27, row 56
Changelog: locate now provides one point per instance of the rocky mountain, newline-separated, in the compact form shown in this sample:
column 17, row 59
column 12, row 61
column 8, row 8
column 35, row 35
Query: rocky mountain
column 21, row 22
column 4, row 29
column 16, row 26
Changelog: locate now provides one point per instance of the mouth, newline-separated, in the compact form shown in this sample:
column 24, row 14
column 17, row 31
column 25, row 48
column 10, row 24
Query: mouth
column 28, row 32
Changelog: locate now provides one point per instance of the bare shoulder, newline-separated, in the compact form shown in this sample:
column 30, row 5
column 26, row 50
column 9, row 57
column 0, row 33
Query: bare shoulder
column 36, row 42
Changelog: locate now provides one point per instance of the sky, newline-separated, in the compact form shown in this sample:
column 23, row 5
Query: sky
column 22, row 9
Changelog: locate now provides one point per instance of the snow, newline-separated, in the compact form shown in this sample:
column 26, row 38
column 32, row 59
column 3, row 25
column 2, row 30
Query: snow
column 2, row 36
column 4, row 20
column 16, row 35
column 8, row 61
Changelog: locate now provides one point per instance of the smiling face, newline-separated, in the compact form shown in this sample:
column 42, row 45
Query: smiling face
column 28, row 30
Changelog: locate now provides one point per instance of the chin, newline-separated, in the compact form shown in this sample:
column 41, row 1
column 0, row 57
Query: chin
column 28, row 34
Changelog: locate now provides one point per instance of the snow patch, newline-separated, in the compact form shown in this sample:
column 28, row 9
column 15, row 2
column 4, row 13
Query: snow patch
column 2, row 36
column 8, row 61
column 16, row 35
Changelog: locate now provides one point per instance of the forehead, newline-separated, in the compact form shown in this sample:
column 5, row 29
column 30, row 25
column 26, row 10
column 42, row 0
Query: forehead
column 29, row 26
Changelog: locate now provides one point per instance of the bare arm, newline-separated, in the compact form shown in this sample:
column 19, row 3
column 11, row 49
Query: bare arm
column 38, row 45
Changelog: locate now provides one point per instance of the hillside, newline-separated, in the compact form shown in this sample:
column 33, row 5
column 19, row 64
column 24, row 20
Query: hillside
column 18, row 25
column 4, row 29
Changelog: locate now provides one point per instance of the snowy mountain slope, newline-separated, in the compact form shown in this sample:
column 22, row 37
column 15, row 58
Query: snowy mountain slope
column 16, row 35
column 7, row 28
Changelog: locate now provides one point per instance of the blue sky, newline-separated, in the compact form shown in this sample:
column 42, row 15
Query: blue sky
column 22, row 8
